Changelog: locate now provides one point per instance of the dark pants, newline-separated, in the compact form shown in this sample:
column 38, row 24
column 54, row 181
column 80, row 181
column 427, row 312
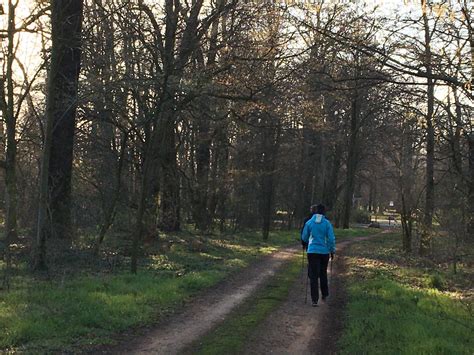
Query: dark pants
column 317, row 269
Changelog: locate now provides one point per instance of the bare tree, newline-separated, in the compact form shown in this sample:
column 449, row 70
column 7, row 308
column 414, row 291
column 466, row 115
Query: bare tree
column 54, row 214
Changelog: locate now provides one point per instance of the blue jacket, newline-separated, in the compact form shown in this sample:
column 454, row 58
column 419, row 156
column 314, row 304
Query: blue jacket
column 319, row 235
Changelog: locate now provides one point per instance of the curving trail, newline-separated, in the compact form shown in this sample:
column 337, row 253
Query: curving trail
column 207, row 310
column 294, row 328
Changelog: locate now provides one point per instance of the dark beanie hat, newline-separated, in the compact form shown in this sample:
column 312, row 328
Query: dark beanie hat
column 320, row 209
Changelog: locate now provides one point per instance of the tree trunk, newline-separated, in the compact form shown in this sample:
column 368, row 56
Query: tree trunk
column 267, row 203
column 470, row 219
column 456, row 136
column 160, row 152
column 66, row 22
column 271, row 140
column 351, row 165
column 306, row 176
column 61, row 101
column 330, row 191
column 466, row 8
column 173, row 67
column 149, row 161
column 429, row 195
column 222, row 167
column 406, row 181
column 203, row 150
column 138, row 231
column 8, row 114
column 169, row 180
column 406, row 227
column 109, row 210
column 203, row 155
column 103, row 149
column 372, row 194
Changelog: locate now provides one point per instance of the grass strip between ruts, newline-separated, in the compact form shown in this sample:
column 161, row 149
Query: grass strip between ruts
column 231, row 336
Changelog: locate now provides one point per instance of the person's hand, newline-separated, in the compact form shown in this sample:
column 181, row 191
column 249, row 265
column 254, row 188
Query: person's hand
column 305, row 245
column 332, row 256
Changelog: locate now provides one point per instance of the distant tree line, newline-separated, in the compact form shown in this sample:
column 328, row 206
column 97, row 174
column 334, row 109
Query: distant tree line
column 146, row 117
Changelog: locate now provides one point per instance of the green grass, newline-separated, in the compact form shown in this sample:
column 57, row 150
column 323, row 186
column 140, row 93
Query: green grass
column 397, row 305
column 91, row 306
column 52, row 317
column 231, row 336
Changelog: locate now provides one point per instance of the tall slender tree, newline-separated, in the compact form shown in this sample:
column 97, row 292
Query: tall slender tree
column 54, row 215
column 429, row 193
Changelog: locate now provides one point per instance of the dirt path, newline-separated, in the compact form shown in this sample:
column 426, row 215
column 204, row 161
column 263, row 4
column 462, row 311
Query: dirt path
column 294, row 328
column 205, row 311
column 299, row 328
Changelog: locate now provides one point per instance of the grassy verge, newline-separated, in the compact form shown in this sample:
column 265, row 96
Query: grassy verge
column 90, row 305
column 403, row 305
column 231, row 336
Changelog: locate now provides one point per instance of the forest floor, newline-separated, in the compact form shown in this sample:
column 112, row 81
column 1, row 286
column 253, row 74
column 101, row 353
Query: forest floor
column 292, row 326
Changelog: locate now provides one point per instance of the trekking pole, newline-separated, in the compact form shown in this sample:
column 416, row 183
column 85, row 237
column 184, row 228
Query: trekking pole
column 302, row 264
column 331, row 267
column 306, row 290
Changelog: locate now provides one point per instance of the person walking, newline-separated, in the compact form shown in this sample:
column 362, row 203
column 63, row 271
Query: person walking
column 318, row 234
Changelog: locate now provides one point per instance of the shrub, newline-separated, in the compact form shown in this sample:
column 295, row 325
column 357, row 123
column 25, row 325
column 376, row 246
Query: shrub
column 437, row 281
